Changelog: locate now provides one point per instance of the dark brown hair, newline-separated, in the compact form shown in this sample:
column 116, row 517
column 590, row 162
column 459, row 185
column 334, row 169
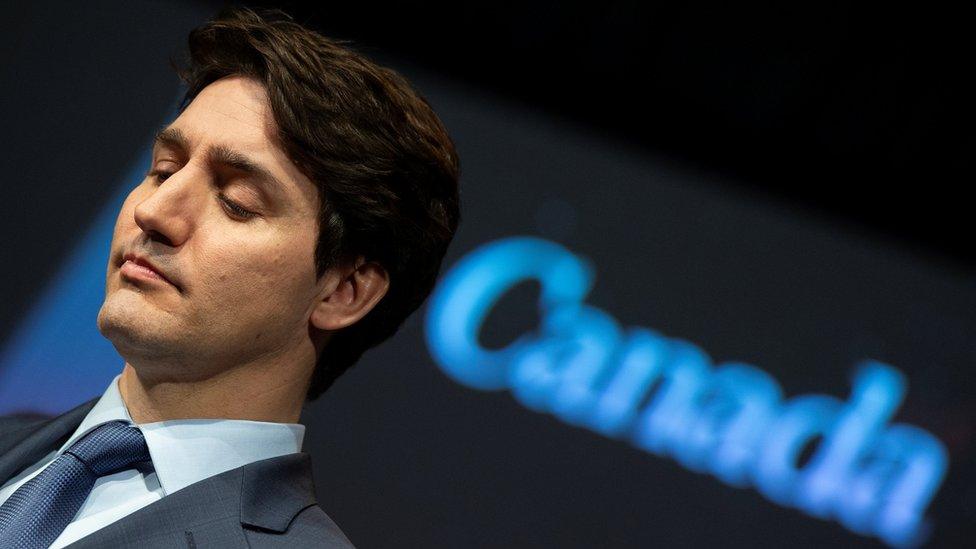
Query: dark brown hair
column 386, row 170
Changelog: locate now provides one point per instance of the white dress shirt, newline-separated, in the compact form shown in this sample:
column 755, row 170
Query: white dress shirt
column 183, row 452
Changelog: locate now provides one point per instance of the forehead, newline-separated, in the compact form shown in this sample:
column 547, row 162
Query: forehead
column 234, row 108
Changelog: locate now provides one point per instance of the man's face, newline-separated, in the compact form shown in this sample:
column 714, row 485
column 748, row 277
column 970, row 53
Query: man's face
column 235, row 249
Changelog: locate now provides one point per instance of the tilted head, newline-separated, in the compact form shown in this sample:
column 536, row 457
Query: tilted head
column 299, row 206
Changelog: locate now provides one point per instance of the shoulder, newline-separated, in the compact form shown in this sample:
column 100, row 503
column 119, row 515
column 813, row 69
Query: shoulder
column 14, row 429
column 311, row 527
column 14, row 423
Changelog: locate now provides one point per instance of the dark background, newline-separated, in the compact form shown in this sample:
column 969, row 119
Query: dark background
column 779, row 185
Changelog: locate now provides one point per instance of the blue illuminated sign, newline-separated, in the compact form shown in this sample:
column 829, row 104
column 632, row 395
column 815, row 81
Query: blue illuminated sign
column 730, row 420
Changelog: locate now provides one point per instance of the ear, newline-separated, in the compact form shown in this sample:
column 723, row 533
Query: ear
column 348, row 293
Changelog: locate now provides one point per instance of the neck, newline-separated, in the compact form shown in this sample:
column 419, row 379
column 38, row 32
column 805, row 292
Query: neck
column 273, row 394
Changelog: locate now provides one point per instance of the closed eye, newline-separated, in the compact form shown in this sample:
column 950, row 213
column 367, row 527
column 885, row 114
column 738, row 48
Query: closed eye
column 233, row 208
column 159, row 175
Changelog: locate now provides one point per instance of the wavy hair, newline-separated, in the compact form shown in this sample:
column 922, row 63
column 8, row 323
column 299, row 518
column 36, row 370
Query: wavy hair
column 386, row 169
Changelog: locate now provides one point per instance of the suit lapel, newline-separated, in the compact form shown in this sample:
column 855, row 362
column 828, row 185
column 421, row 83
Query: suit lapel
column 204, row 514
column 274, row 490
column 266, row 494
column 22, row 447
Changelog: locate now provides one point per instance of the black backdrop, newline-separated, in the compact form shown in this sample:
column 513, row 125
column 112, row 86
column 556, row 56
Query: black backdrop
column 731, row 251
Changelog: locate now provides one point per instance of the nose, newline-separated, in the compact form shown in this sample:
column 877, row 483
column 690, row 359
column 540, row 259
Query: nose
column 167, row 215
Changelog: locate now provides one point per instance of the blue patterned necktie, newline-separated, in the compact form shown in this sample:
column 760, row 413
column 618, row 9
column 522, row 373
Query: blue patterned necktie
column 37, row 512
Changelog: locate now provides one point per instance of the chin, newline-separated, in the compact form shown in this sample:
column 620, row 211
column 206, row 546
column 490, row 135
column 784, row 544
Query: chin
column 133, row 330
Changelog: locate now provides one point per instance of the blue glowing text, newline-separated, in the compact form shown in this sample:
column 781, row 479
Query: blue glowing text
column 665, row 396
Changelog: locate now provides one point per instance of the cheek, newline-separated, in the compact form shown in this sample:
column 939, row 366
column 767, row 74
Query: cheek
column 262, row 276
column 125, row 222
column 126, row 218
column 126, row 212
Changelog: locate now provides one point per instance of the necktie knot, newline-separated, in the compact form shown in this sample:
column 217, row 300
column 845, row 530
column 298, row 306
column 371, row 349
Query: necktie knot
column 111, row 447
column 39, row 510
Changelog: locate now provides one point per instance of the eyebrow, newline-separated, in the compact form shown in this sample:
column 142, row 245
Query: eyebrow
column 221, row 154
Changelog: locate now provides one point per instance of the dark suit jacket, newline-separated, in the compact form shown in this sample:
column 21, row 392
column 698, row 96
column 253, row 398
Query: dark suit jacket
column 268, row 503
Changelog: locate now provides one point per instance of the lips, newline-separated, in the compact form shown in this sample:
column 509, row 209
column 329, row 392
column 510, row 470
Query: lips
column 142, row 261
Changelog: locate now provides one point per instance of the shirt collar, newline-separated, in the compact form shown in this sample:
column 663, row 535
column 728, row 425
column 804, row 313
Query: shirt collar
column 108, row 408
column 185, row 451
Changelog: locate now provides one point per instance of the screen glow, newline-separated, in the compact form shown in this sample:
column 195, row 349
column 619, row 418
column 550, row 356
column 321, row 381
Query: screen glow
column 730, row 420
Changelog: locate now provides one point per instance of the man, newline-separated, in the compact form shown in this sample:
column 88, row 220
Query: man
column 295, row 213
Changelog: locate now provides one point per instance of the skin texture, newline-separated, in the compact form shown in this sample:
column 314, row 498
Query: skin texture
column 236, row 330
